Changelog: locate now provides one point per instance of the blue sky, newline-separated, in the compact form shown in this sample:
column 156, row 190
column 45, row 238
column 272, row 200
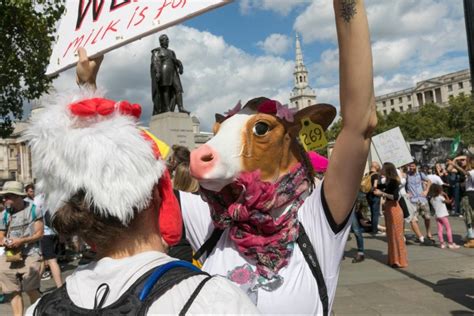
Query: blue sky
column 245, row 29
column 246, row 49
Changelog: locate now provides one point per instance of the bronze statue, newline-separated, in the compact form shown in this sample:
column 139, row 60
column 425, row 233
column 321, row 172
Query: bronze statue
column 166, row 88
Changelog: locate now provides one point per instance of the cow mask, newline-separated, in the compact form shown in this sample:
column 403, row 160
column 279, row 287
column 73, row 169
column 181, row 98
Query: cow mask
column 262, row 135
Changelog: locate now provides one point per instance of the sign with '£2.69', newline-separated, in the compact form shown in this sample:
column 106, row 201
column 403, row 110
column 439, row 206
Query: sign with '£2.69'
column 103, row 25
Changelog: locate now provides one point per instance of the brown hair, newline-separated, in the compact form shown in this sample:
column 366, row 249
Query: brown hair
column 435, row 190
column 76, row 217
column 390, row 172
column 179, row 155
column 183, row 180
column 306, row 162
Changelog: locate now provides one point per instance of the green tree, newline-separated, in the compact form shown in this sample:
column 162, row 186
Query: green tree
column 461, row 118
column 333, row 131
column 26, row 34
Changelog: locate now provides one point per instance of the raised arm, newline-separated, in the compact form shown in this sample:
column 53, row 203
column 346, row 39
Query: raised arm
column 357, row 101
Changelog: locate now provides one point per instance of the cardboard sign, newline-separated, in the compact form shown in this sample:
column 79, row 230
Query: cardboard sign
column 103, row 25
column 312, row 135
column 391, row 146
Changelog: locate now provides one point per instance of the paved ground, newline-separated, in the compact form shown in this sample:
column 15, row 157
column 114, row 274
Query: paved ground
column 437, row 281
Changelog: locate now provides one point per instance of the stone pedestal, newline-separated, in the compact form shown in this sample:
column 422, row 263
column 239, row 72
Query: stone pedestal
column 173, row 128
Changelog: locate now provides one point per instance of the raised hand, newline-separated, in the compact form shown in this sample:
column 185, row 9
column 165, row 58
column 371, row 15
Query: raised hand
column 87, row 69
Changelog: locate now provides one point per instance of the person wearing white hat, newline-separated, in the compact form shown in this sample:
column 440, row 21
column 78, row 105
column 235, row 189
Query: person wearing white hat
column 105, row 179
column 21, row 228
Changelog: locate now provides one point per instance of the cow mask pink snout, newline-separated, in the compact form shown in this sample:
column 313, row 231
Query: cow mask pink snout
column 203, row 160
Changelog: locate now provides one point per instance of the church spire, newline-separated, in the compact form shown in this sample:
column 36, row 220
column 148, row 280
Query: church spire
column 302, row 94
column 299, row 53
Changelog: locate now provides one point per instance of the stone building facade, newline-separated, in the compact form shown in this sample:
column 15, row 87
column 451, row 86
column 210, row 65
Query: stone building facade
column 15, row 157
column 437, row 90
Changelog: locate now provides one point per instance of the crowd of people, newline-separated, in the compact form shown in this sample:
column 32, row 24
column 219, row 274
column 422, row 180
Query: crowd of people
column 33, row 251
column 404, row 195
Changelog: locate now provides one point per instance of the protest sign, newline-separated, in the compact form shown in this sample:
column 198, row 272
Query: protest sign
column 103, row 25
column 390, row 146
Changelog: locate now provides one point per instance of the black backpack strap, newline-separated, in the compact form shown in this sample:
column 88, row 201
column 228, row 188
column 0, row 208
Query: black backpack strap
column 167, row 281
column 209, row 244
column 193, row 296
column 312, row 260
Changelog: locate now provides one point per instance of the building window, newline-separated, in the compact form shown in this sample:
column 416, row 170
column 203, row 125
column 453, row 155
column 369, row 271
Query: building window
column 460, row 85
column 296, row 102
column 409, row 106
column 301, row 78
column 309, row 102
column 400, row 100
column 384, row 103
column 450, row 87
column 384, row 112
column 392, row 110
column 391, row 101
column 409, row 97
column 401, row 109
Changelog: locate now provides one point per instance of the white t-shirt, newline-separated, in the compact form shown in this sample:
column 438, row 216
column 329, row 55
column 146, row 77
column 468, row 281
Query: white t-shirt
column 403, row 182
column 435, row 179
column 39, row 202
column 218, row 296
column 470, row 180
column 439, row 206
column 298, row 292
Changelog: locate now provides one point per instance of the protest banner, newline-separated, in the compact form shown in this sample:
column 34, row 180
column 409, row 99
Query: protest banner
column 390, row 146
column 103, row 25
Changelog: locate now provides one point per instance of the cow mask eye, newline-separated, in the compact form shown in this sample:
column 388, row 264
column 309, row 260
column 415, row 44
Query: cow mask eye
column 261, row 128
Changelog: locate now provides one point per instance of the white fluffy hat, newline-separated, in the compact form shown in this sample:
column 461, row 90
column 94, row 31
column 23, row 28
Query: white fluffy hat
column 94, row 144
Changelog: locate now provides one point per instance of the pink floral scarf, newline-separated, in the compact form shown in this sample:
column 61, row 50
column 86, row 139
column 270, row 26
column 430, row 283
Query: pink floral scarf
column 245, row 207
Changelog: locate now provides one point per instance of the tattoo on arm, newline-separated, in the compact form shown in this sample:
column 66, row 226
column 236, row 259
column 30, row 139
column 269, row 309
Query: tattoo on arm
column 348, row 10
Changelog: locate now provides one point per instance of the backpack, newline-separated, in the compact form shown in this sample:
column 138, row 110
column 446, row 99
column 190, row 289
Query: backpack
column 366, row 183
column 306, row 248
column 6, row 215
column 135, row 301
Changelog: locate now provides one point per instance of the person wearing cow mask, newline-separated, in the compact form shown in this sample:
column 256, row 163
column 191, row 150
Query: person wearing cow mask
column 270, row 220
column 104, row 179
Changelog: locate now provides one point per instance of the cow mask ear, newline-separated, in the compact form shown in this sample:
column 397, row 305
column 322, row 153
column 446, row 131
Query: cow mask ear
column 322, row 114
column 219, row 118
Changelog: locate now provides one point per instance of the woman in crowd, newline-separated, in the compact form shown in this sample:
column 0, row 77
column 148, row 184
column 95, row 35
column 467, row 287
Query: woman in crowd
column 464, row 164
column 397, row 253
column 454, row 189
column 177, row 164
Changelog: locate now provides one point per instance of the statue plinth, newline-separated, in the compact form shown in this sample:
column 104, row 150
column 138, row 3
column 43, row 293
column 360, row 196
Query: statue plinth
column 173, row 128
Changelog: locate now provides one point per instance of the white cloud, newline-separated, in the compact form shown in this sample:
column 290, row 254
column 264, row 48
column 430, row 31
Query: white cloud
column 412, row 40
column 283, row 7
column 326, row 70
column 316, row 22
column 216, row 74
column 275, row 44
